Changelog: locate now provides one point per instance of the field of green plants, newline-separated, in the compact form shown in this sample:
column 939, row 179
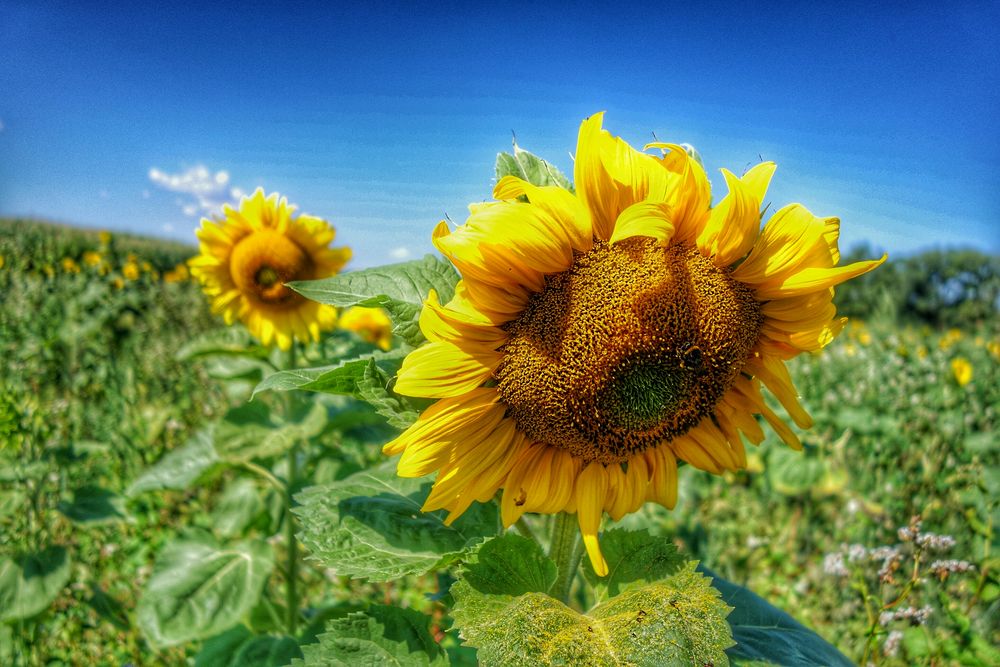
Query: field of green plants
column 146, row 502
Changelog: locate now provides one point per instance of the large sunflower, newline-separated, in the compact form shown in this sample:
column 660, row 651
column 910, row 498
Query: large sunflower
column 597, row 338
column 247, row 257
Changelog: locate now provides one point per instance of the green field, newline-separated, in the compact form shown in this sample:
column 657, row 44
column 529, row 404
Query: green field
column 102, row 376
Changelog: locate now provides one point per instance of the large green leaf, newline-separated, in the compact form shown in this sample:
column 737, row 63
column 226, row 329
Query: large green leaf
column 251, row 431
column 381, row 636
column 199, row 589
column 509, row 565
column 373, row 388
column 29, row 584
column 181, row 467
column 765, row 633
column 678, row 621
column 239, row 647
column 369, row 526
column 399, row 288
column 340, row 378
column 634, row 558
column 238, row 506
column 530, row 167
column 93, row 505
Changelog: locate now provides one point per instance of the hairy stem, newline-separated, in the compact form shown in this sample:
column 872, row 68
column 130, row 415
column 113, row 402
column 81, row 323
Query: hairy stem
column 565, row 548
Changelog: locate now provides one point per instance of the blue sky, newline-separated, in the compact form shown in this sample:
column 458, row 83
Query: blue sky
column 386, row 117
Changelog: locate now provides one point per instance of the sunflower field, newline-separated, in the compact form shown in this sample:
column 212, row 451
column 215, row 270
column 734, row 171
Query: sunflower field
column 617, row 421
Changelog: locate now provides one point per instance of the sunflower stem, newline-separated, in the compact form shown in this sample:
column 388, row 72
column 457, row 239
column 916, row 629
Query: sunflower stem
column 292, row 564
column 565, row 549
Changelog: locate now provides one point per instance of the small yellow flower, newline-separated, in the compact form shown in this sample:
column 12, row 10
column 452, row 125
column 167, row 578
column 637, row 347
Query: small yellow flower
column 1, row 261
column 246, row 258
column 950, row 338
column 48, row 270
column 922, row 352
column 147, row 267
column 370, row 324
column 177, row 274
column 865, row 338
column 118, row 283
column 130, row 271
column 993, row 346
column 962, row 370
column 104, row 237
column 69, row 265
column 92, row 258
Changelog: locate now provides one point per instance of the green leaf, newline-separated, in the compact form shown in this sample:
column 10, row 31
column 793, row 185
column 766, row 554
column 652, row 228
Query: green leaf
column 677, row 621
column 340, row 378
column 199, row 589
column 634, row 558
column 531, row 168
column 92, row 504
column 381, row 636
column 251, row 431
column 399, row 288
column 238, row 505
column 373, row 388
column 509, row 565
column 11, row 500
column 181, row 467
column 108, row 607
column 29, row 584
column 794, row 473
column 239, row 647
column 369, row 526
column 763, row 632
column 229, row 342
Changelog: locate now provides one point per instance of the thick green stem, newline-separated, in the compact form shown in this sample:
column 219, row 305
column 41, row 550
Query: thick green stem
column 565, row 548
column 292, row 563
column 292, row 566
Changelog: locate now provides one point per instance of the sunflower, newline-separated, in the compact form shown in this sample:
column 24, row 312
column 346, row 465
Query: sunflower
column 247, row 257
column 370, row 324
column 596, row 339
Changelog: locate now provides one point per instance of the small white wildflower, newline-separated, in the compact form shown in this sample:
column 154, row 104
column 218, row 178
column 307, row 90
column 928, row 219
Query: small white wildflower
column 833, row 564
column 891, row 645
column 942, row 568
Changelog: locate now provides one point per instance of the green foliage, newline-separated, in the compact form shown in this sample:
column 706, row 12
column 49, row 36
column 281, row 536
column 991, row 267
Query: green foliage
column 341, row 378
column 676, row 621
column 942, row 288
column 369, row 526
column 530, row 167
column 199, row 589
column 399, row 288
column 767, row 634
column 634, row 558
column 239, row 647
column 253, row 431
column 181, row 467
column 381, row 636
column 93, row 504
column 30, row 583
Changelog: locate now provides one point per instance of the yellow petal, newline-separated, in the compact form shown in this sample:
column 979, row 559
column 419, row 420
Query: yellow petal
column 439, row 370
column 441, row 324
column 559, row 204
column 591, row 491
column 732, row 226
column 650, row 219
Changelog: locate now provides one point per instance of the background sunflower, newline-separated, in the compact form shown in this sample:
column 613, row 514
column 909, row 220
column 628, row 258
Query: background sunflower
column 246, row 258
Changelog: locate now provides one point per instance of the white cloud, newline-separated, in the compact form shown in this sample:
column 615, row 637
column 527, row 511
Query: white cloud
column 402, row 252
column 205, row 191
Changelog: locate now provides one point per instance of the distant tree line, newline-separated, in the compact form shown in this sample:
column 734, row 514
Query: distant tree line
column 940, row 288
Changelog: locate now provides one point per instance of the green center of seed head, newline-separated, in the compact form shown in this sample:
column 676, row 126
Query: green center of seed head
column 266, row 276
column 641, row 395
